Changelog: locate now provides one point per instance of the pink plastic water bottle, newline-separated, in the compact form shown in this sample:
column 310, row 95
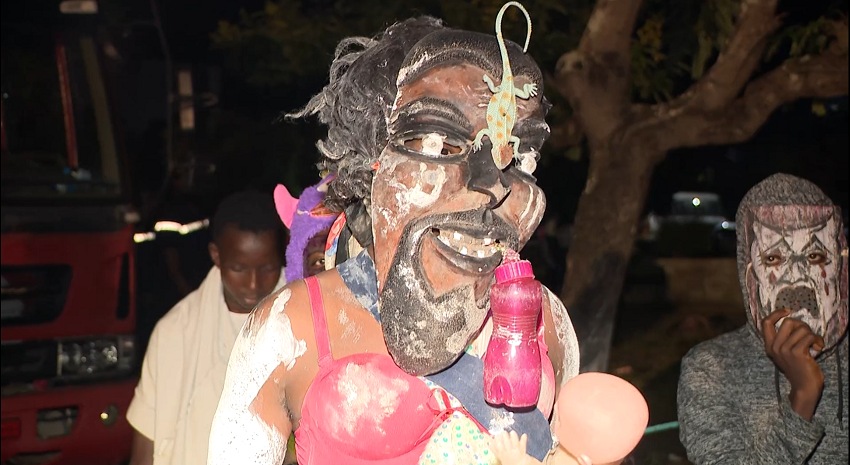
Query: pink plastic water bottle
column 512, row 363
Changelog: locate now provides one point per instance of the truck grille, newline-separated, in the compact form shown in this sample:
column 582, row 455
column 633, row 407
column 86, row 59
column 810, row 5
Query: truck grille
column 33, row 294
column 24, row 362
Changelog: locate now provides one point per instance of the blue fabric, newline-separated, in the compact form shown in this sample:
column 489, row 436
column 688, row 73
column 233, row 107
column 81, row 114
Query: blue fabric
column 360, row 277
column 465, row 378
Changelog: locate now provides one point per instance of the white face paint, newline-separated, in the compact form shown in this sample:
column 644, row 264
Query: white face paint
column 410, row 69
column 797, row 270
column 527, row 162
column 238, row 435
column 427, row 183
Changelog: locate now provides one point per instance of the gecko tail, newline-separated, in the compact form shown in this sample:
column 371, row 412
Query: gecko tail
column 527, row 20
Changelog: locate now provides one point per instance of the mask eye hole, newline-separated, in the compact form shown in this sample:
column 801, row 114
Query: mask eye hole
column 771, row 259
column 433, row 145
column 816, row 258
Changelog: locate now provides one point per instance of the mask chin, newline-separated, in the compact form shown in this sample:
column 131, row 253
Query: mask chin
column 424, row 332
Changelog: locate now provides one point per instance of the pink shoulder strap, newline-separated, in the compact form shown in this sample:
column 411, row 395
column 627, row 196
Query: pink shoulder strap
column 320, row 324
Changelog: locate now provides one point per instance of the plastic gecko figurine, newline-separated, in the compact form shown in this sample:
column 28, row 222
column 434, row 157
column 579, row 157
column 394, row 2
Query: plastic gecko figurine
column 501, row 111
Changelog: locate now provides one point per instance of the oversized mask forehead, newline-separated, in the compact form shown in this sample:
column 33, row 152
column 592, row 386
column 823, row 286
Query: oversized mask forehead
column 451, row 46
column 797, row 259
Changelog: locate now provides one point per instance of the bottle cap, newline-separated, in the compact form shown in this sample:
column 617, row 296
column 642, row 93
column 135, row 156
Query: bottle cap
column 513, row 268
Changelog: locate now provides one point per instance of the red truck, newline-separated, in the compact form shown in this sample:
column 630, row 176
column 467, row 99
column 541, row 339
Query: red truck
column 69, row 364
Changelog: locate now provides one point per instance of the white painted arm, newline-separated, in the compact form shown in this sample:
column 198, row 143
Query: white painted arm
column 251, row 425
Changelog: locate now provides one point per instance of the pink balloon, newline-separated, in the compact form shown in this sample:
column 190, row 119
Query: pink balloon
column 601, row 416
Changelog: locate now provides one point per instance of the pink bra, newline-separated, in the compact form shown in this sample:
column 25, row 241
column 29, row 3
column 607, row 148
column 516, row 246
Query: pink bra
column 362, row 409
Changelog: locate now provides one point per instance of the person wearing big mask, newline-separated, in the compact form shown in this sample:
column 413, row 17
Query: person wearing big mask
column 775, row 391
column 370, row 360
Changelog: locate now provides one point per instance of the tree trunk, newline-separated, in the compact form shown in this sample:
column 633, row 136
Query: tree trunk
column 602, row 243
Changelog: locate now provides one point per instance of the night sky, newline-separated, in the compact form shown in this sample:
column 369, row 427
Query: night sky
column 795, row 140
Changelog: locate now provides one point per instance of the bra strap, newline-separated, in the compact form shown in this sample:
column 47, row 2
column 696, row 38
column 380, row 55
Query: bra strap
column 320, row 323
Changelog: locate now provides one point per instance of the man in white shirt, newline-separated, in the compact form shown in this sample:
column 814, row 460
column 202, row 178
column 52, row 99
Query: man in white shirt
column 186, row 360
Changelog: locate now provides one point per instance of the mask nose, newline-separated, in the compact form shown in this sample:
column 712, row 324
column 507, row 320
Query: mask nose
column 798, row 269
column 485, row 177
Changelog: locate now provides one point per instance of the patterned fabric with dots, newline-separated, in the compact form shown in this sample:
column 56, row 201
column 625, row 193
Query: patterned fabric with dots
column 458, row 441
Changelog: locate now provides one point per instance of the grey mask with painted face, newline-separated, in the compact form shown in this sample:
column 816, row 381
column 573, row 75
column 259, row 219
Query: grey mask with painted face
column 792, row 254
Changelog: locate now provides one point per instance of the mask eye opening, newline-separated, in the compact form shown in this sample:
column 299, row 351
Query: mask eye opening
column 771, row 259
column 816, row 257
column 431, row 145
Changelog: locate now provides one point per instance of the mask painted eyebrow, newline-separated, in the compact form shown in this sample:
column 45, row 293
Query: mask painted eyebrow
column 780, row 243
column 815, row 245
column 433, row 107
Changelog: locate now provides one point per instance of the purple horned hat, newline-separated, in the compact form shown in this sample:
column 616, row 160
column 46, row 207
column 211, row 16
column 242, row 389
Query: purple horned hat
column 305, row 217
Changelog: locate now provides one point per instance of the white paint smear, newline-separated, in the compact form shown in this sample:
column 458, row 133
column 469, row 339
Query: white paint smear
column 368, row 398
column 238, row 435
column 502, row 421
column 428, row 184
column 411, row 68
column 566, row 334
column 350, row 329
column 514, row 338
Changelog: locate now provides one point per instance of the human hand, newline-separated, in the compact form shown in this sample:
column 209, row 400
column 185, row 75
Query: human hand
column 789, row 348
column 510, row 449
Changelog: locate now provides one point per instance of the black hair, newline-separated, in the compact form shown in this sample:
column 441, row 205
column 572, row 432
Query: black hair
column 356, row 103
column 247, row 210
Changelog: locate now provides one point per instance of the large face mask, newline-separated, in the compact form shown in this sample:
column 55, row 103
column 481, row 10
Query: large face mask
column 439, row 209
column 798, row 261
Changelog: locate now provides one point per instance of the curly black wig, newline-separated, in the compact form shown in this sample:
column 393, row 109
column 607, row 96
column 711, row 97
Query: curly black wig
column 356, row 103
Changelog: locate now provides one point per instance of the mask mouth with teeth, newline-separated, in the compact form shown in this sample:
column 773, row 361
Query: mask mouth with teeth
column 425, row 329
column 469, row 247
column 795, row 258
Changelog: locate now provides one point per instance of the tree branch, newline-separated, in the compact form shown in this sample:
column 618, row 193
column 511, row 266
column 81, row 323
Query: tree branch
column 683, row 123
column 823, row 76
column 739, row 59
column 595, row 78
column 610, row 26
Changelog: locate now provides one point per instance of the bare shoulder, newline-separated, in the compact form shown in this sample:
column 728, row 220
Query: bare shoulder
column 291, row 303
column 285, row 317
column 271, row 337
